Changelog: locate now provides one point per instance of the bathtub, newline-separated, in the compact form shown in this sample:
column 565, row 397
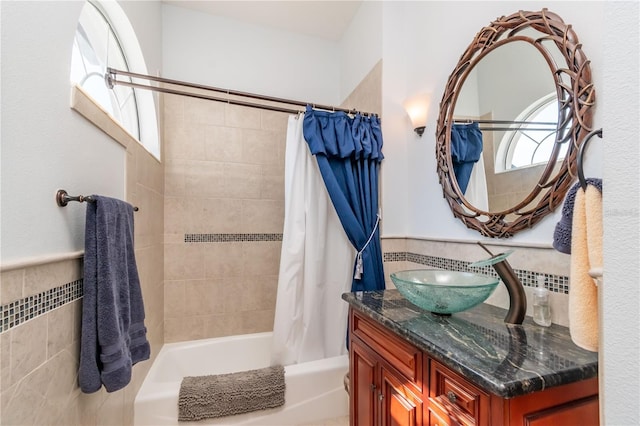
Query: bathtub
column 314, row 390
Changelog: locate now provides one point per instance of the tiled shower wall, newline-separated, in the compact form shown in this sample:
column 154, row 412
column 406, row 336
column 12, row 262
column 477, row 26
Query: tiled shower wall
column 39, row 343
column 224, row 213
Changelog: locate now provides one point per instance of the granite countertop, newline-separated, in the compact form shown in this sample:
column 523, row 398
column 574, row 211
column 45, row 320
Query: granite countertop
column 504, row 359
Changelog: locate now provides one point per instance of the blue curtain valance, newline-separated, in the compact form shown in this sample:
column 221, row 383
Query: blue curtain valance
column 335, row 134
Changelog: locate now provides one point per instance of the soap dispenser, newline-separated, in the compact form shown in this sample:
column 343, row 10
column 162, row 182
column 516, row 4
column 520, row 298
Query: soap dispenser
column 541, row 307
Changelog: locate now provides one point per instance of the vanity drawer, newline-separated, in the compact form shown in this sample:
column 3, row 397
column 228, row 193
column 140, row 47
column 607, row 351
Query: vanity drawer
column 457, row 397
column 404, row 357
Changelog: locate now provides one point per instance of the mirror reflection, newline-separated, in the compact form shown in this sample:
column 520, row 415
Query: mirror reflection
column 515, row 109
column 511, row 94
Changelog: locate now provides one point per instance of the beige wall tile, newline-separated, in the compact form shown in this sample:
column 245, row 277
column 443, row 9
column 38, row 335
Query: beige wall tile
column 259, row 292
column 262, row 216
column 256, row 321
column 183, row 261
column 260, row 146
column 206, row 179
column 261, row 258
column 58, row 382
column 5, row 361
column 272, row 183
column 245, row 117
column 149, row 171
column 214, row 215
column 11, row 283
column 203, row 297
column 148, row 217
column 185, row 328
column 224, row 260
column 173, row 108
column 28, row 347
column 242, row 181
column 393, row 245
column 174, row 178
column 174, row 299
column 223, row 144
column 44, row 277
column 184, row 142
column 59, row 322
column 273, row 120
column 222, row 325
column 174, row 215
column 200, row 111
column 111, row 412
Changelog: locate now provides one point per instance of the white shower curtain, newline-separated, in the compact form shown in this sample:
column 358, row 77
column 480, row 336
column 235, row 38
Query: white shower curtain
column 477, row 193
column 316, row 264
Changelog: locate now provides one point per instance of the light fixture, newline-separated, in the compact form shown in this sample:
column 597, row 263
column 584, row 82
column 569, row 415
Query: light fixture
column 417, row 108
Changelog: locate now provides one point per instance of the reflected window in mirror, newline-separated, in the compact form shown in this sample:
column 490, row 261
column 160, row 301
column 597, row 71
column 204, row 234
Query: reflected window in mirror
column 532, row 143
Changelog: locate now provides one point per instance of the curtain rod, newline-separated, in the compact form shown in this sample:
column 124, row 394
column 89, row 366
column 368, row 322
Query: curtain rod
column 518, row 128
column 111, row 80
column 469, row 121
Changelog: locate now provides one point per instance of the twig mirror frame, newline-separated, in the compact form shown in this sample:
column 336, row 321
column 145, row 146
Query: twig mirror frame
column 576, row 97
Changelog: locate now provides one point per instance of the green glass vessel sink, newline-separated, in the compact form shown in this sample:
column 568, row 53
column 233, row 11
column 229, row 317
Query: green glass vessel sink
column 444, row 292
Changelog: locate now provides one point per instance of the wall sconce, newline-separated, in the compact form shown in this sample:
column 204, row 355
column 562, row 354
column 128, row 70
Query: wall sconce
column 417, row 108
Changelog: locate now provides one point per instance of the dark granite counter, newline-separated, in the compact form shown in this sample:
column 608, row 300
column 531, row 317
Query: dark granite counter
column 507, row 360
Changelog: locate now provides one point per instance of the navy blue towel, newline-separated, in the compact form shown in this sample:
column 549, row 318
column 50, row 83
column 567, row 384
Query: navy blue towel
column 466, row 149
column 113, row 335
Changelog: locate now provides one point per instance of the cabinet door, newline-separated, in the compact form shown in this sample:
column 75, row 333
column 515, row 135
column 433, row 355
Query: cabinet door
column 399, row 406
column 363, row 390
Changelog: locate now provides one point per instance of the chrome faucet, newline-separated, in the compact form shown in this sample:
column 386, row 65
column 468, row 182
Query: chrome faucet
column 517, row 296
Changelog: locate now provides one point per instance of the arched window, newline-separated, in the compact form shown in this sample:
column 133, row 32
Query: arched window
column 531, row 144
column 97, row 45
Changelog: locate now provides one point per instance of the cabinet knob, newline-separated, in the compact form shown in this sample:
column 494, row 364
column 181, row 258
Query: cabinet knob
column 372, row 387
column 380, row 397
column 452, row 397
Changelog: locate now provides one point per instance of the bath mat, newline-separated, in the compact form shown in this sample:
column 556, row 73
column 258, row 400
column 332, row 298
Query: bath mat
column 205, row 397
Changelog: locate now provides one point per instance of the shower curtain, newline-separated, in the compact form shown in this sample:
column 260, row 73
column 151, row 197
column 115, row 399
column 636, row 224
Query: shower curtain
column 316, row 264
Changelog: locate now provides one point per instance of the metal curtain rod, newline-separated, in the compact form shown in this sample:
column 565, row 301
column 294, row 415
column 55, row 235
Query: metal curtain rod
column 506, row 129
column 469, row 121
column 111, row 80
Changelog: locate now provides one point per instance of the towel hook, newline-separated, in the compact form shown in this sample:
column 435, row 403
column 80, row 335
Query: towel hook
column 583, row 181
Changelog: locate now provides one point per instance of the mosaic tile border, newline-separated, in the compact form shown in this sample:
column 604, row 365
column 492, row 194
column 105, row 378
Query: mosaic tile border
column 19, row 311
column 230, row 238
column 555, row 283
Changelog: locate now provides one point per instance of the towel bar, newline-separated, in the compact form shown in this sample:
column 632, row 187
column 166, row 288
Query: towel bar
column 63, row 198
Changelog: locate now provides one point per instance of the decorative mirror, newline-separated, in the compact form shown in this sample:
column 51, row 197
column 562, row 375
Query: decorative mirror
column 514, row 112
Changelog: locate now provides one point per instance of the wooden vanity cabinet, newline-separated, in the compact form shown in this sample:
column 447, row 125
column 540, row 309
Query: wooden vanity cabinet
column 386, row 377
column 394, row 383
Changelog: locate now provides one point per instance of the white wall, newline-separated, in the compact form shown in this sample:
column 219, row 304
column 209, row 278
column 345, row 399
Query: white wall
column 230, row 54
column 360, row 46
column 46, row 145
column 620, row 104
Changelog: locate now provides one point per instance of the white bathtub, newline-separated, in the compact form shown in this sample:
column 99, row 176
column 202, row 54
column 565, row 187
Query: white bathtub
column 314, row 390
